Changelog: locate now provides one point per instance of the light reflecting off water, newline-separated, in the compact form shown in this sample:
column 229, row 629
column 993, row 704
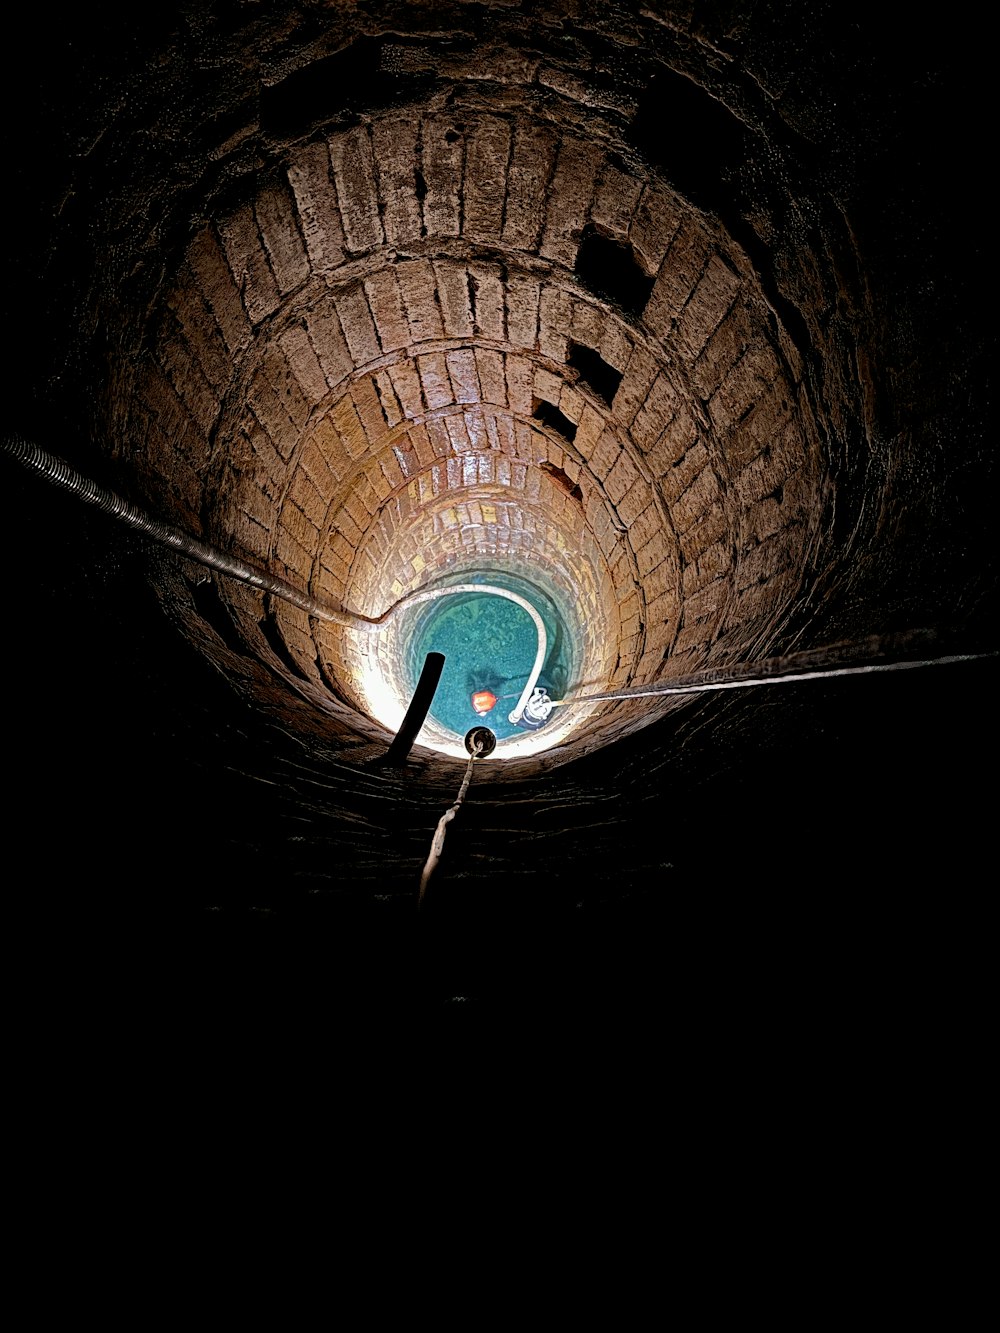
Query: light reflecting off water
column 489, row 645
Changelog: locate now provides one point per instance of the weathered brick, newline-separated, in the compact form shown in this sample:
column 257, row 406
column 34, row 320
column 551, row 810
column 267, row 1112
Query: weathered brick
column 406, row 383
column 547, row 386
column 522, row 295
column 621, row 477
column 453, row 288
column 490, row 370
column 661, row 579
column 637, row 380
column 437, row 433
column 394, row 145
column 532, row 161
column 421, row 443
column 616, row 346
column 798, row 493
column 655, row 414
column 555, row 318
column 333, row 565
column 443, row 152
column 417, row 282
column 486, row 287
column 571, row 403
column 257, row 506
column 704, row 533
column 615, row 199
column 377, row 482
column 312, row 460
column 470, row 468
column 201, row 331
column 664, row 609
column 589, row 429
column 329, row 343
column 270, row 469
column 208, row 264
column 695, row 500
column 703, row 605
column 434, row 377
column 634, row 502
column 358, row 325
column 716, row 561
column 654, row 226
column 680, row 436
column 251, row 539
column 369, row 409
column 587, row 324
column 728, row 342
column 354, row 173
column 605, row 455
column 302, row 359
column 692, row 636
column 487, row 147
column 762, row 520
column 275, row 365
column 710, row 302
column 555, row 456
column 303, row 492
column 296, row 556
column 457, row 434
column 391, row 409
column 344, row 536
column 386, row 305
column 651, row 553
column 767, row 426
column 762, row 562
column 675, row 480
column 406, row 462
column 677, row 277
column 348, row 425
column 270, row 412
column 569, row 200
column 462, row 369
column 310, row 176
column 248, row 263
column 189, row 382
column 519, row 384
column 748, row 381
column 279, row 228
column 327, row 440
column 354, row 504
column 478, row 437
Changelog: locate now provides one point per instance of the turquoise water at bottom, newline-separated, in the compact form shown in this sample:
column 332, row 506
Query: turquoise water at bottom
column 489, row 643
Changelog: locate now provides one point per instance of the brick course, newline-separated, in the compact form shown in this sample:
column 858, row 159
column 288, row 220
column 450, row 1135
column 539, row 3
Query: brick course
column 365, row 340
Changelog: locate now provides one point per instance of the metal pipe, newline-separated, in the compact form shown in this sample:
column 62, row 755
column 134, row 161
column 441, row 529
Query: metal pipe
column 781, row 671
column 59, row 472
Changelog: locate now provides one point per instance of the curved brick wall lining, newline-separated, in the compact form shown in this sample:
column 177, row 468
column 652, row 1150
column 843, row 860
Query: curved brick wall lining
column 378, row 326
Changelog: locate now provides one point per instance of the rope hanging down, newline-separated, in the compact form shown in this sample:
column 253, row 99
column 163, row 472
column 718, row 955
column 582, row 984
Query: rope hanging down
column 480, row 742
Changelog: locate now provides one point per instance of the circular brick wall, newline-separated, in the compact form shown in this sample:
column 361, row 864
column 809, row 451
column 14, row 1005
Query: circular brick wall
column 480, row 327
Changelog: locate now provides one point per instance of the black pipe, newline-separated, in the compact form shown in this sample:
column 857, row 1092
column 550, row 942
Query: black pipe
column 423, row 696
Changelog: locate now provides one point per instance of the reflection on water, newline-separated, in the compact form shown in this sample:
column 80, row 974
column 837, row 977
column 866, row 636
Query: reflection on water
column 489, row 644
